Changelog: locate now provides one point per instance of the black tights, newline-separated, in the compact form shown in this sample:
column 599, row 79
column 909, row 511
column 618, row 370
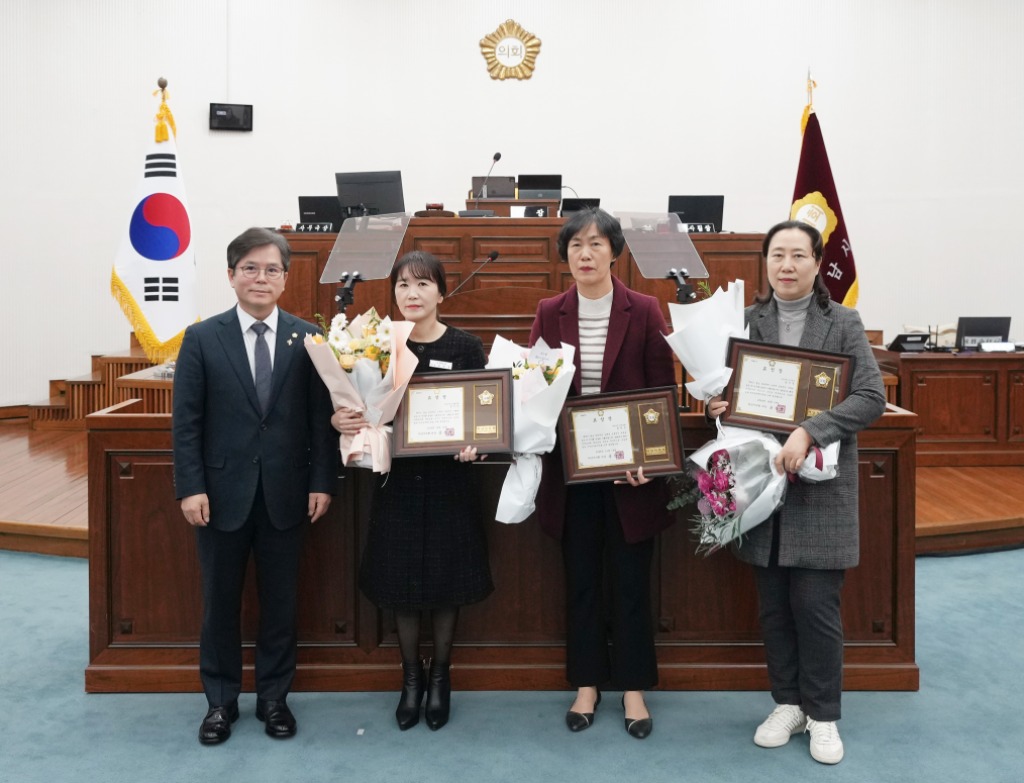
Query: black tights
column 443, row 619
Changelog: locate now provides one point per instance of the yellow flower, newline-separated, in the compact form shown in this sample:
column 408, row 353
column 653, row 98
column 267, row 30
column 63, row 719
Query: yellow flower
column 347, row 361
column 318, row 338
column 372, row 352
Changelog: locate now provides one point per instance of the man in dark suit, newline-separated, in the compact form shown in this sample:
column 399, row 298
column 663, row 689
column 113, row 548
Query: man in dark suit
column 254, row 459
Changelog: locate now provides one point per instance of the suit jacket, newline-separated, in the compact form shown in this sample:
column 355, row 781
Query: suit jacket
column 820, row 523
column 224, row 446
column 636, row 356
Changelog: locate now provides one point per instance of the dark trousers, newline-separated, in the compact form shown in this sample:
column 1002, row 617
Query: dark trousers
column 803, row 637
column 223, row 558
column 593, row 548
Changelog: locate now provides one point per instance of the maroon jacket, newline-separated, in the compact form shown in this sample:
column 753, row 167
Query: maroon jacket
column 636, row 356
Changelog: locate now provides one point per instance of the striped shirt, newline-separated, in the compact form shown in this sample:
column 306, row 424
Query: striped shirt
column 594, row 315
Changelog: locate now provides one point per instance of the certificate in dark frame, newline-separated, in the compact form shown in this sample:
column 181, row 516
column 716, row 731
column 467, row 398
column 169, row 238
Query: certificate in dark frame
column 654, row 440
column 824, row 382
column 486, row 414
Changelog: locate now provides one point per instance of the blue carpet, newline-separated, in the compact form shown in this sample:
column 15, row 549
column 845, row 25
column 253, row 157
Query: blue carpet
column 964, row 725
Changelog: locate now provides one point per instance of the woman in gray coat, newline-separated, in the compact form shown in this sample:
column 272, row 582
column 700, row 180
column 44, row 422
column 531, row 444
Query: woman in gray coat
column 801, row 554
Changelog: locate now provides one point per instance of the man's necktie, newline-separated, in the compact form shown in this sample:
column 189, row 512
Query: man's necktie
column 264, row 372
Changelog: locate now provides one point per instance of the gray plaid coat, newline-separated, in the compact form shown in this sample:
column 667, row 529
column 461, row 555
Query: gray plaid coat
column 819, row 523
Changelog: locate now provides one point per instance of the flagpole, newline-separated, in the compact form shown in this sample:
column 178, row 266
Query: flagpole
column 811, row 84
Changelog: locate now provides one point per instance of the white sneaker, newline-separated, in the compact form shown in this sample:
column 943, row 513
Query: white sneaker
column 785, row 721
column 826, row 746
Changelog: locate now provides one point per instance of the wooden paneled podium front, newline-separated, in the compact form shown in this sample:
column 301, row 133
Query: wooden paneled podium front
column 145, row 602
column 144, row 597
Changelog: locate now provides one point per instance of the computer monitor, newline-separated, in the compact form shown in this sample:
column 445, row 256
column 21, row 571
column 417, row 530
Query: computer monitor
column 370, row 192
column 320, row 209
column 497, row 187
column 699, row 210
column 972, row 332
column 576, row 204
column 548, row 186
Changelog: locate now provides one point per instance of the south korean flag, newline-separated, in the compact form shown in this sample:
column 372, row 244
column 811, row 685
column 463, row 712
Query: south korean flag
column 154, row 275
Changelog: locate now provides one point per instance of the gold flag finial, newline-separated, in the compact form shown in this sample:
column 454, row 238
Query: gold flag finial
column 164, row 117
column 811, row 84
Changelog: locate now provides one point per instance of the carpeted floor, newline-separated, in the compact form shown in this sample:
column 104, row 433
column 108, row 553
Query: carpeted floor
column 965, row 724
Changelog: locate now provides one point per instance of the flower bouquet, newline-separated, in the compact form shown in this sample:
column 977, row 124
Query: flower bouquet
column 700, row 338
column 541, row 379
column 366, row 366
column 738, row 483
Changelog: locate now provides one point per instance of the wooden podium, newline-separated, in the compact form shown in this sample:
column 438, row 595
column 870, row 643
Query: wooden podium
column 503, row 206
column 145, row 604
column 144, row 600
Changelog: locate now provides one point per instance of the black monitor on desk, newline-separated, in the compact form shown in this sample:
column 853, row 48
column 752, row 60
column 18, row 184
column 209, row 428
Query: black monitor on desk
column 698, row 210
column 972, row 332
column 370, row 192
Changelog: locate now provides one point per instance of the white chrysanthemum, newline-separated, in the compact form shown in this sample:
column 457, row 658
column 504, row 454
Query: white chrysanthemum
column 339, row 322
column 338, row 340
column 384, row 333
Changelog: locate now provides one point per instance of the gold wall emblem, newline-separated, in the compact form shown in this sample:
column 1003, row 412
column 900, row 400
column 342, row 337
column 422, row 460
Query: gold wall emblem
column 511, row 52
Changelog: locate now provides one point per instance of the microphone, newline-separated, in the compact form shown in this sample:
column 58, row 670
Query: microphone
column 483, row 188
column 490, row 257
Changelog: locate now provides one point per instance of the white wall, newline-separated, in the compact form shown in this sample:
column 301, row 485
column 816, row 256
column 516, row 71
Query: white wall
column 919, row 101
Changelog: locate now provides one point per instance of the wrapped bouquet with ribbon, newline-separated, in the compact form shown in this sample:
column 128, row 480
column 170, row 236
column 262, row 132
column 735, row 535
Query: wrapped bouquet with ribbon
column 366, row 366
column 541, row 379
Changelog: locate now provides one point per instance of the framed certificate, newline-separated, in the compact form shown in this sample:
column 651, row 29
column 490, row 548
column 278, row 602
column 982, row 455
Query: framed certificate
column 604, row 435
column 775, row 387
column 442, row 413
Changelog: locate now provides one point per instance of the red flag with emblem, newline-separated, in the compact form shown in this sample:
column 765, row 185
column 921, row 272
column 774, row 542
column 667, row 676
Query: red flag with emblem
column 816, row 202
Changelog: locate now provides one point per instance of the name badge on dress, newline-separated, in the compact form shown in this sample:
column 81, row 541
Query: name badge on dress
column 440, row 365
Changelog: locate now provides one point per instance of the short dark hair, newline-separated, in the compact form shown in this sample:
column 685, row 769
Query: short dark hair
column 255, row 237
column 607, row 226
column 821, row 292
column 423, row 266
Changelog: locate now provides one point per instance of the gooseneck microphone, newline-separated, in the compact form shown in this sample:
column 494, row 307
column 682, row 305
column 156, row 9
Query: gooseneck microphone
column 490, row 257
column 483, row 188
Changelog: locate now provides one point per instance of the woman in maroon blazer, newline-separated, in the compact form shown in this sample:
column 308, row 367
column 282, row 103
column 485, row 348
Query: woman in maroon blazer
column 619, row 337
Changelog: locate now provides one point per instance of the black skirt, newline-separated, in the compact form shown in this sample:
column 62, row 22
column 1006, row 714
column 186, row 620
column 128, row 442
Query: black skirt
column 426, row 546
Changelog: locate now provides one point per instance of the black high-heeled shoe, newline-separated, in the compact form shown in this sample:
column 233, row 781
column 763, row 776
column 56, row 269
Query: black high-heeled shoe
column 578, row 721
column 640, row 727
column 408, row 712
column 439, row 695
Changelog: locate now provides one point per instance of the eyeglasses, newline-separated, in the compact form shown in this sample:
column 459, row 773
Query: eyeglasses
column 252, row 271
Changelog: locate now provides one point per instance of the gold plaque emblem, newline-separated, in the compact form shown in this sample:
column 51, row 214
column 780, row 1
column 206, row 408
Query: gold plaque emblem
column 510, row 51
column 485, row 397
column 822, row 380
column 651, row 416
column 811, row 412
column 814, row 210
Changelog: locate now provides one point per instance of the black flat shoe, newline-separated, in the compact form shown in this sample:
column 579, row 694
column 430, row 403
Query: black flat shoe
column 439, row 695
column 279, row 719
column 216, row 726
column 413, row 688
column 578, row 721
column 641, row 727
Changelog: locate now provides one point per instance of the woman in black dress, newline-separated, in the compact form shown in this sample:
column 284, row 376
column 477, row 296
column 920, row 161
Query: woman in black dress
column 425, row 549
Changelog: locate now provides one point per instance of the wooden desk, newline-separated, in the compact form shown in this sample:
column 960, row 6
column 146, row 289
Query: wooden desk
column 145, row 603
column 503, row 206
column 970, row 406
